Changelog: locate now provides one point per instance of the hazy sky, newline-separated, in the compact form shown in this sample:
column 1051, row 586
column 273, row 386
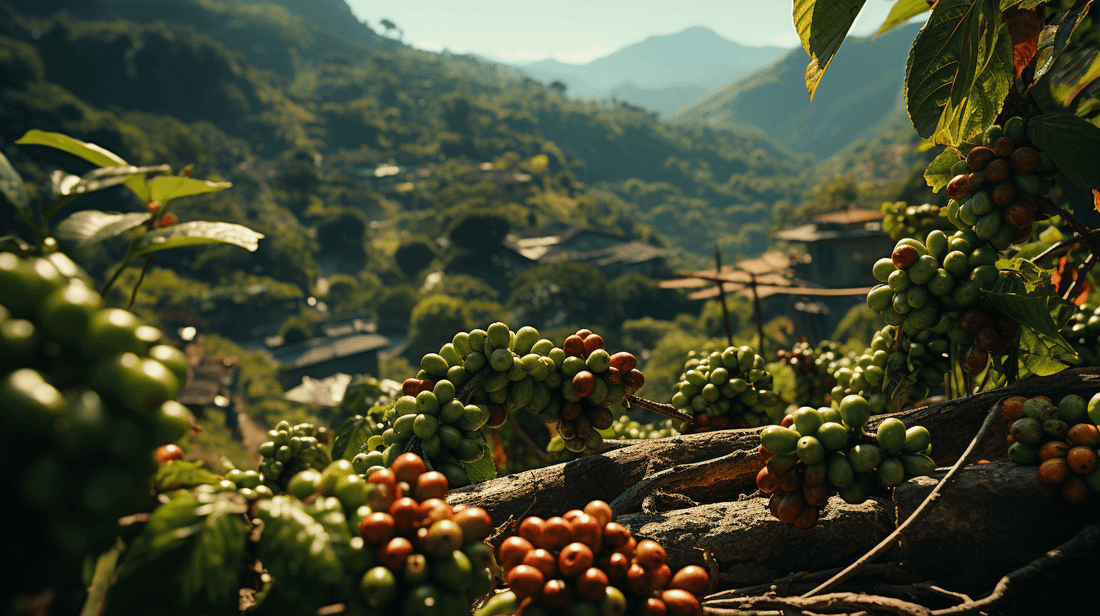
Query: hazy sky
column 578, row 31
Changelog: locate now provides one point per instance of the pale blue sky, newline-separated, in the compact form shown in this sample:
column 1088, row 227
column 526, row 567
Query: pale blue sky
column 579, row 31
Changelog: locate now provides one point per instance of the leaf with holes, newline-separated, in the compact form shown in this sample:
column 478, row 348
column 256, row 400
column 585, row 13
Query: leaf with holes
column 822, row 26
column 959, row 71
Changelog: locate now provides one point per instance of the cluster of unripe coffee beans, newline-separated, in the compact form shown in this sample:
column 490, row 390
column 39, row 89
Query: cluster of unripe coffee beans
column 904, row 220
column 291, row 449
column 813, row 381
column 1063, row 440
column 893, row 374
column 626, row 428
column 87, row 394
column 815, row 453
column 991, row 187
column 1083, row 332
column 727, row 389
column 584, row 562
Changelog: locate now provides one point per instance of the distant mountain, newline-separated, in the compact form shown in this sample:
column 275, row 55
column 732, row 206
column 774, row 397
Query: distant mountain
column 859, row 96
column 662, row 73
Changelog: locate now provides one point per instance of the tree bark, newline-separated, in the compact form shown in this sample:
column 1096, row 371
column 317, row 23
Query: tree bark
column 717, row 467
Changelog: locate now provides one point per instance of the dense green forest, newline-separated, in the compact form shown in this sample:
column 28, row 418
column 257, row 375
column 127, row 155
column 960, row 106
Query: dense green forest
column 369, row 166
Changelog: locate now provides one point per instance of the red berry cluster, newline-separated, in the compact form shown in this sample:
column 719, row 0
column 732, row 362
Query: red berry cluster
column 1062, row 440
column 584, row 556
column 798, row 492
column 595, row 381
column 989, row 333
column 422, row 546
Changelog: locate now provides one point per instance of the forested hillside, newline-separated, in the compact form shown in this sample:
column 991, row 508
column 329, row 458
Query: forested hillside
column 367, row 164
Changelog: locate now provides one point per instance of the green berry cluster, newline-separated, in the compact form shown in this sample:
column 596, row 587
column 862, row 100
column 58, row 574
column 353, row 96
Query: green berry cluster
column 291, row 449
column 727, row 389
column 903, row 220
column 1083, row 332
column 816, row 453
column 894, row 378
column 813, row 380
column 87, row 394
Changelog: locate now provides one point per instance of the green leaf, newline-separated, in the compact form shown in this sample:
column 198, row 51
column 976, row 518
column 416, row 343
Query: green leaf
column 211, row 574
column 482, row 470
column 822, row 26
column 11, row 186
column 298, row 554
column 938, row 173
column 164, row 188
column 89, row 152
column 1054, row 38
column 1031, row 308
column 189, row 554
column 195, row 233
column 351, row 436
column 89, row 227
column 959, row 71
column 1073, row 143
column 901, row 12
column 183, row 474
column 1040, row 358
column 556, row 444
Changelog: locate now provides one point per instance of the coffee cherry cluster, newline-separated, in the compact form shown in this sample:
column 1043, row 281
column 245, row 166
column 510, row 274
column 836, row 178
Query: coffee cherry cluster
column 903, row 220
column 593, row 381
column 816, row 453
column 424, row 556
column 291, row 449
column 982, row 332
column 727, row 389
column 813, row 381
column 87, row 395
column 626, row 428
column 584, row 562
column 1062, row 440
column 248, row 483
column 1083, row 332
column 991, row 188
column 435, row 422
column 892, row 378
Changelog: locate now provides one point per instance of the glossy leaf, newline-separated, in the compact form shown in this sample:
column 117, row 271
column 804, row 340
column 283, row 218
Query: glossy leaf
column 11, row 186
column 959, row 71
column 351, row 436
column 1039, row 357
column 482, row 470
column 1074, row 75
column 1055, row 37
column 195, row 233
column 1073, row 143
column 89, row 152
column 822, row 26
column 938, row 173
column 164, row 188
column 89, row 227
column 901, row 12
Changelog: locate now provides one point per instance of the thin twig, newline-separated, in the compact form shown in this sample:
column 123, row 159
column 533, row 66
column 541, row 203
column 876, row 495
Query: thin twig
column 888, row 542
column 148, row 262
column 1086, row 539
column 470, row 388
column 658, row 407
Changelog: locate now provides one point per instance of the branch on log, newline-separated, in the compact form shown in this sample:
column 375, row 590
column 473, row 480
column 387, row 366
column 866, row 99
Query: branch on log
column 716, row 471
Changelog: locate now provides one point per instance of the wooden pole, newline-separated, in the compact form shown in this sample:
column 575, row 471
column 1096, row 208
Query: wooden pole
column 722, row 295
column 756, row 313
